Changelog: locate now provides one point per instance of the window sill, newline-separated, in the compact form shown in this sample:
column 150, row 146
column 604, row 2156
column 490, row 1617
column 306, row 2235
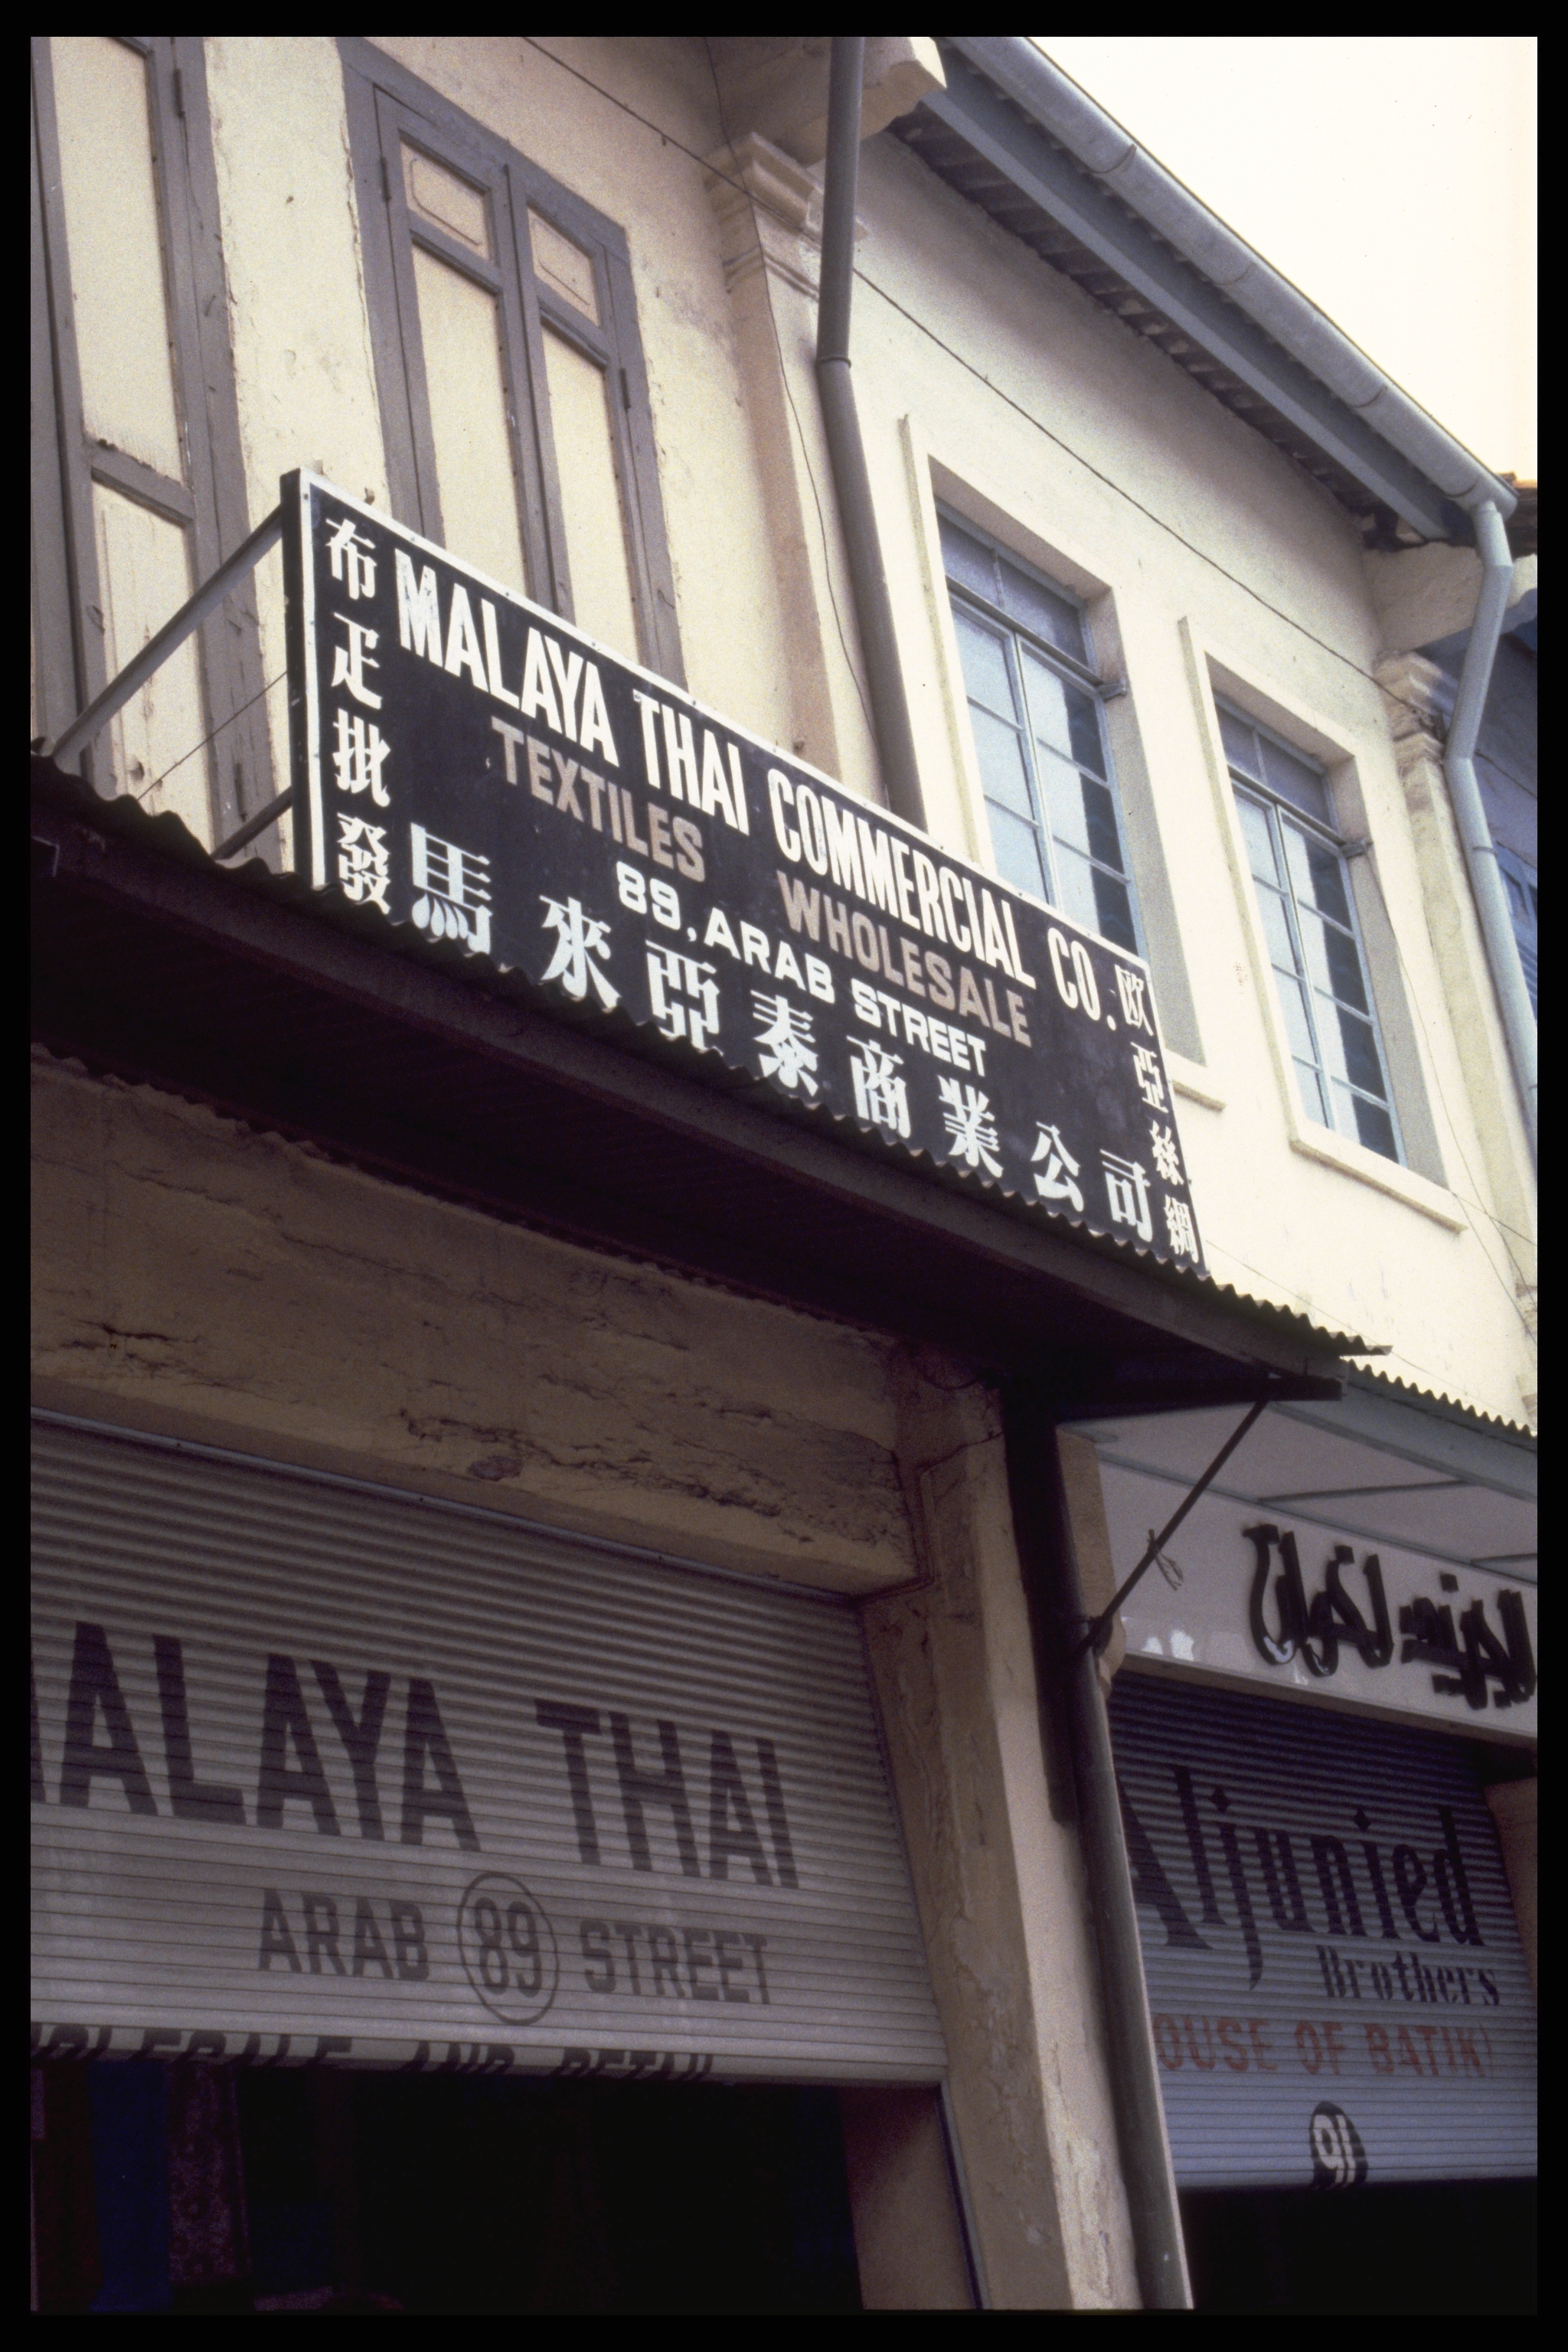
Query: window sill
column 1194, row 1082
column 1333, row 1150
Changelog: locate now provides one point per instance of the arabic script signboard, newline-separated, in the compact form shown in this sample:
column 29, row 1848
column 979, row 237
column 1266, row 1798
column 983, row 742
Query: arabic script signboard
column 1292, row 1604
column 471, row 766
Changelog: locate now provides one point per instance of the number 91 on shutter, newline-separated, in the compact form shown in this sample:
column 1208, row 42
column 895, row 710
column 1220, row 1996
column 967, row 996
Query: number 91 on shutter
column 508, row 1949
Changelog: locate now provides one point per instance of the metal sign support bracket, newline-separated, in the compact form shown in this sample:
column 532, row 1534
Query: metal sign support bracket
column 183, row 624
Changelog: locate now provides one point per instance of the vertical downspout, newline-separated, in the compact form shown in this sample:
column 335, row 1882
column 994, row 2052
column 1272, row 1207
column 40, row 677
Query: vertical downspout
column 1469, row 812
column 847, row 454
column 1072, row 1703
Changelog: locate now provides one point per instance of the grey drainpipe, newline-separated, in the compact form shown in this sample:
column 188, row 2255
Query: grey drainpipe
column 873, row 611
column 1073, row 1719
column 1469, row 812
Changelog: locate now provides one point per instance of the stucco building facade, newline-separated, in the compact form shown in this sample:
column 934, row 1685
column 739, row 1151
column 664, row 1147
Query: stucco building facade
column 331, row 1211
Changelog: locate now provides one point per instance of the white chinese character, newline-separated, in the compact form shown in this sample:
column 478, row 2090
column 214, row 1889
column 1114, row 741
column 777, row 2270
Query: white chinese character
column 1127, row 1188
column 968, row 1121
column 581, row 938
column 360, row 756
column 1130, row 987
column 1180, row 1227
column 1167, row 1156
column 1054, row 1182
column 785, row 1034
column 1146, row 1070
column 363, row 866
column 671, row 974
column 881, row 1097
column 345, row 541
column 350, row 662
column 452, row 890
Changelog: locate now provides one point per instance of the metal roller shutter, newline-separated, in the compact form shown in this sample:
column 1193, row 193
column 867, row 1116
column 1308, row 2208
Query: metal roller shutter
column 328, row 1772
column 1335, row 1975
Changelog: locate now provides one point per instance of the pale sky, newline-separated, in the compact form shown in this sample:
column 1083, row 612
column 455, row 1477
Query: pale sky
column 1394, row 181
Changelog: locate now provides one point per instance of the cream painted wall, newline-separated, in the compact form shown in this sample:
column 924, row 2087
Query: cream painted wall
column 731, row 625
column 199, row 1279
column 1198, row 545
column 1212, row 552
column 305, row 375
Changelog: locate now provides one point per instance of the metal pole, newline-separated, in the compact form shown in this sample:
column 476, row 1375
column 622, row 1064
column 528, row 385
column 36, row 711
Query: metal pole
column 169, row 639
column 253, row 825
column 845, row 449
column 1050, row 1567
column 1099, row 1633
column 1469, row 811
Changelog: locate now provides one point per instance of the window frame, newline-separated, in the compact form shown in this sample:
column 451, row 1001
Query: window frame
column 1526, row 878
column 1076, row 673
column 1277, row 809
column 211, row 506
column 387, row 105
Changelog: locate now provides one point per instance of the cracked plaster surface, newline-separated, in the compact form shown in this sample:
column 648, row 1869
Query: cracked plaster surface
column 189, row 1268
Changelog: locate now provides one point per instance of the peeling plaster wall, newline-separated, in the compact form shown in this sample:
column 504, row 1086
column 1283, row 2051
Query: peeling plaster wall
column 999, row 1882
column 199, row 1278
column 195, row 1277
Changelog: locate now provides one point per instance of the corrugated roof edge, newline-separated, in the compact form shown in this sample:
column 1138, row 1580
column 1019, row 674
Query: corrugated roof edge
column 172, row 838
column 1461, row 1409
column 1096, row 140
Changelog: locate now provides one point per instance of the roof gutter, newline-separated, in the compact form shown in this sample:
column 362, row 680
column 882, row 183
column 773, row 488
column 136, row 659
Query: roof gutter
column 1470, row 812
column 1354, row 413
column 847, row 452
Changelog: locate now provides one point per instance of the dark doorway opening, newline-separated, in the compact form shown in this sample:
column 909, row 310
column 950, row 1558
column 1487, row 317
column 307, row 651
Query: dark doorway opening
column 486, row 2195
column 166, row 2188
column 1453, row 2247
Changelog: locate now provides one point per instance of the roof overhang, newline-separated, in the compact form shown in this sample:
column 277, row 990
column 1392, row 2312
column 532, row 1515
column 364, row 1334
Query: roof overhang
column 1015, row 135
column 234, row 989
column 1407, row 1473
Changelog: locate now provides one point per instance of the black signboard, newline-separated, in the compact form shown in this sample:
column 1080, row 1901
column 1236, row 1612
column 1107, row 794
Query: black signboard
column 469, row 764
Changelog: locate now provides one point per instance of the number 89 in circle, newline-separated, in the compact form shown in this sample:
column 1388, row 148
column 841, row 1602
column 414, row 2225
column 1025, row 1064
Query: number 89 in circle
column 508, row 1949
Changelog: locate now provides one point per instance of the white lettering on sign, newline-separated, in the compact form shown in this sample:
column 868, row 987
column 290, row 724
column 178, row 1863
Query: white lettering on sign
column 559, row 687
column 559, row 779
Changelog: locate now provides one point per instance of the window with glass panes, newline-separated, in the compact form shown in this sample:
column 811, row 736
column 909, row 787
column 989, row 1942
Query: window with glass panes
column 1039, row 739
column 1314, row 944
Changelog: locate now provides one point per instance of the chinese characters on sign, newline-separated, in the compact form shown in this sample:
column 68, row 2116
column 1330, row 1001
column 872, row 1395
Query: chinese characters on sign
column 467, row 763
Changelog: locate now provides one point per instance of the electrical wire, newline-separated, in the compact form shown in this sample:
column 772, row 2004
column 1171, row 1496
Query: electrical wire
column 670, row 139
column 211, row 735
column 961, row 360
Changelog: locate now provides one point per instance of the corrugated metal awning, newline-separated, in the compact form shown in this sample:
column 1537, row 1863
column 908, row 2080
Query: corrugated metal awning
column 152, row 962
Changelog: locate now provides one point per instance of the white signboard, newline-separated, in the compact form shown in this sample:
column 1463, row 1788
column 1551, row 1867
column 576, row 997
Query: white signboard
column 1253, row 1594
column 324, row 1774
